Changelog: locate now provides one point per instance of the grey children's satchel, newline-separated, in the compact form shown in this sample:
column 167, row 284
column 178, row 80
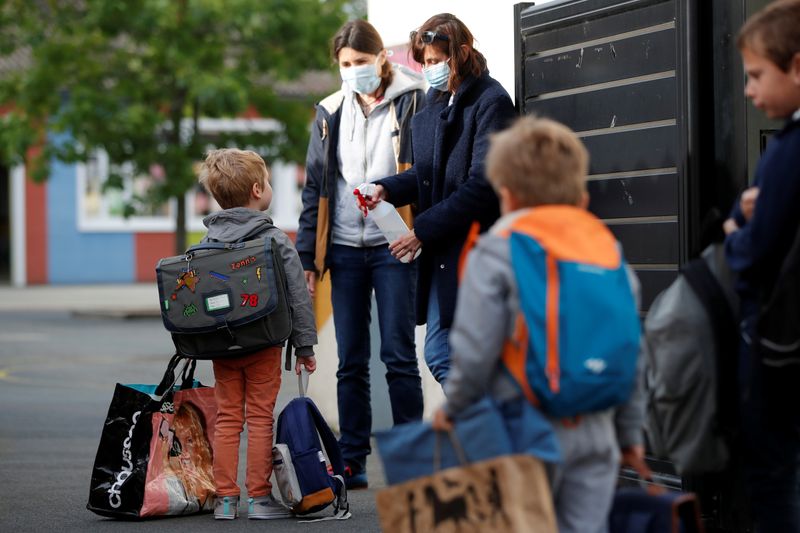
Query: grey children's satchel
column 222, row 300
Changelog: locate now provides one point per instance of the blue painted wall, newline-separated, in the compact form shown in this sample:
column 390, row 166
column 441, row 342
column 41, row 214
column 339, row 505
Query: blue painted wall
column 75, row 257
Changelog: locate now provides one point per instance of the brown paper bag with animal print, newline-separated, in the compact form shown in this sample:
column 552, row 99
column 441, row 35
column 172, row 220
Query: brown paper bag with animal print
column 505, row 494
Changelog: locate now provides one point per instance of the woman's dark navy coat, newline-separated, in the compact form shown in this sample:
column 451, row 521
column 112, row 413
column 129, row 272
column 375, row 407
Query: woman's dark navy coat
column 447, row 182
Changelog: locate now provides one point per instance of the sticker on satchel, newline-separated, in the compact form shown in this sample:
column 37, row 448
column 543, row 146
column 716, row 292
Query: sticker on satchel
column 221, row 277
column 218, row 302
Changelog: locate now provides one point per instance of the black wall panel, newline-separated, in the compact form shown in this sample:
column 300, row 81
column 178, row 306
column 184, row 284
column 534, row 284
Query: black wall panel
column 641, row 55
column 641, row 149
column 549, row 27
column 654, row 243
column 640, row 196
column 618, row 106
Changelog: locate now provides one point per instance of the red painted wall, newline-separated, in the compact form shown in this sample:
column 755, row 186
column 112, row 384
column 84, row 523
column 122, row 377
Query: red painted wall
column 35, row 228
column 150, row 247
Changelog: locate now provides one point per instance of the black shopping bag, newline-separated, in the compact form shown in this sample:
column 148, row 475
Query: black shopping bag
column 127, row 480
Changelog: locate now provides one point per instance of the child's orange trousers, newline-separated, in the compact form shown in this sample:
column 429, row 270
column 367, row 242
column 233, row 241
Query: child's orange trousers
column 246, row 389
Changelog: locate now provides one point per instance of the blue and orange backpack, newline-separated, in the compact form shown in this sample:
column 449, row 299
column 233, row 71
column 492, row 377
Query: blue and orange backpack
column 576, row 340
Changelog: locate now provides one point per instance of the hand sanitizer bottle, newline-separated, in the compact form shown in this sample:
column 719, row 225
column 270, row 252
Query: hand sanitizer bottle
column 391, row 225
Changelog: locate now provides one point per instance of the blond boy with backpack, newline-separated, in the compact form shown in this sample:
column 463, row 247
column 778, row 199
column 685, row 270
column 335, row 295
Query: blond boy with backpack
column 247, row 386
column 509, row 342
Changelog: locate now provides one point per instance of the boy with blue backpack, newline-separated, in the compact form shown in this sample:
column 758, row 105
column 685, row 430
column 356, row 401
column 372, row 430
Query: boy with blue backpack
column 547, row 315
column 247, row 386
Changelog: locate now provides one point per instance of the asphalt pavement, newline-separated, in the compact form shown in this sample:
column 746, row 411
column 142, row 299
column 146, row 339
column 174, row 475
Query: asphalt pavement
column 62, row 350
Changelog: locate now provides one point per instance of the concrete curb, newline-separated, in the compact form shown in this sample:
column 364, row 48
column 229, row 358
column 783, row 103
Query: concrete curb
column 135, row 299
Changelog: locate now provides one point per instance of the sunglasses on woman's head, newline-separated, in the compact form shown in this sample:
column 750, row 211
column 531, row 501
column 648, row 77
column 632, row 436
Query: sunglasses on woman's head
column 427, row 37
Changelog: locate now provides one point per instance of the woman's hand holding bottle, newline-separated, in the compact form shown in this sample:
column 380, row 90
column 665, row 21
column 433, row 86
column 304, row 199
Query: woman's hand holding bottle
column 372, row 194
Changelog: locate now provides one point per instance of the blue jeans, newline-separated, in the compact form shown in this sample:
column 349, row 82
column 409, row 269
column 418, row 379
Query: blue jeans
column 770, row 428
column 354, row 274
column 437, row 347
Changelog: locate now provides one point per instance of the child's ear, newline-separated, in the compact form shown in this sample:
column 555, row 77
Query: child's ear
column 257, row 191
column 508, row 202
column 794, row 69
column 584, row 203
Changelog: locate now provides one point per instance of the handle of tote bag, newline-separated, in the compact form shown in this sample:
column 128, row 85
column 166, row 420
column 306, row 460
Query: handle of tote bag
column 187, row 375
column 170, row 378
column 437, row 452
column 302, row 380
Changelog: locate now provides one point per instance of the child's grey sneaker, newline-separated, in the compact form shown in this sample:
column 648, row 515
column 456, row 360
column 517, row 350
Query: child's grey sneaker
column 226, row 507
column 266, row 508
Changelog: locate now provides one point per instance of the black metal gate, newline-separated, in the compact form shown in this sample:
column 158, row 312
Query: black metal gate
column 654, row 90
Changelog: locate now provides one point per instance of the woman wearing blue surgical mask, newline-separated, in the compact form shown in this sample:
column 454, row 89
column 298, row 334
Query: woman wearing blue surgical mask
column 447, row 182
column 361, row 133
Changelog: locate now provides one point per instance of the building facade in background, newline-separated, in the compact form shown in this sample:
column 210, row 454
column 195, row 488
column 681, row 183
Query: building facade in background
column 72, row 229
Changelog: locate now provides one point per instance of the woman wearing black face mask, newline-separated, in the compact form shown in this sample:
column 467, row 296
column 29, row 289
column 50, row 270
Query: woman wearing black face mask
column 361, row 133
column 447, row 182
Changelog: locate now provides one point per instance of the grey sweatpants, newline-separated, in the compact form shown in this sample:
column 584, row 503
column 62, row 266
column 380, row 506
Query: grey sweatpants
column 583, row 484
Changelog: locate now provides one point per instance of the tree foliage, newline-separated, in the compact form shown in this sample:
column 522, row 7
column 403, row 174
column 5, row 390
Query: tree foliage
column 134, row 77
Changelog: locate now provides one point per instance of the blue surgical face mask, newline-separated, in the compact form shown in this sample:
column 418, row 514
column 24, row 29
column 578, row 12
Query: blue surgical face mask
column 438, row 75
column 362, row 79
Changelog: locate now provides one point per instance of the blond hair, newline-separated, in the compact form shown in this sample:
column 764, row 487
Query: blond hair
column 229, row 174
column 540, row 161
column 773, row 32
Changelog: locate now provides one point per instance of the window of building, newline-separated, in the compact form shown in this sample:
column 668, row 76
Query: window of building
column 103, row 209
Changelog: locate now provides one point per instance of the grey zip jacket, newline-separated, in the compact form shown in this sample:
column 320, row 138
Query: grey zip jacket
column 488, row 302
column 243, row 224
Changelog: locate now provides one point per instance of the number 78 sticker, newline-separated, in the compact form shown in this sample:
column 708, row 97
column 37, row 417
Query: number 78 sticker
column 249, row 300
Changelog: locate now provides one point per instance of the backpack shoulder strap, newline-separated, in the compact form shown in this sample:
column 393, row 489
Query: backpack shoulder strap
column 280, row 274
column 514, row 357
